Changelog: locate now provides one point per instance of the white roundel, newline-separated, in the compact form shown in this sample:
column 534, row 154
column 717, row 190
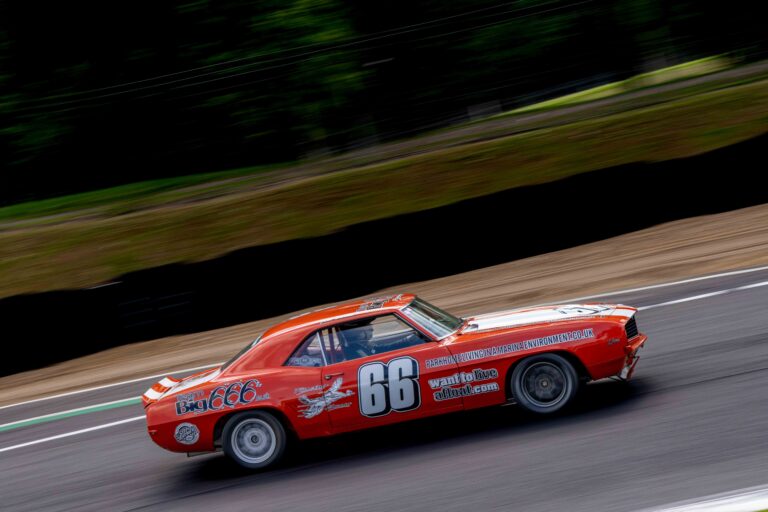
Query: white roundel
column 186, row 433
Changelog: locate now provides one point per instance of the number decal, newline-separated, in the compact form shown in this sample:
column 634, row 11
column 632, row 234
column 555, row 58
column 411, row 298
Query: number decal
column 372, row 386
column 383, row 388
column 403, row 388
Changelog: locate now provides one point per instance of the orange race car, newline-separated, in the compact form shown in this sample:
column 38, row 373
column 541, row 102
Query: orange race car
column 385, row 360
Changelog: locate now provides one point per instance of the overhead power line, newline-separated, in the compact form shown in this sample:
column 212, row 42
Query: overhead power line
column 187, row 82
column 325, row 47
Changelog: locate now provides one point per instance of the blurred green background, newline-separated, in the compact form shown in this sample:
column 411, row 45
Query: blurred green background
column 96, row 94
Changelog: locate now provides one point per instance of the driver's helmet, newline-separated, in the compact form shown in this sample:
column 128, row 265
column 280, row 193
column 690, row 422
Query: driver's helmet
column 359, row 337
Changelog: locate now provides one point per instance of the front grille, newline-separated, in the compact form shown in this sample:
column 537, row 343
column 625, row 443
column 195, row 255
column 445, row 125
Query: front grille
column 631, row 328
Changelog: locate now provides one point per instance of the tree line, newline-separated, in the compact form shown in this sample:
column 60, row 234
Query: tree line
column 96, row 93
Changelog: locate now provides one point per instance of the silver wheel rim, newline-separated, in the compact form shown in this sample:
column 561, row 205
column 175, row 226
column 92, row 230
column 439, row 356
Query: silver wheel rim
column 254, row 441
column 544, row 384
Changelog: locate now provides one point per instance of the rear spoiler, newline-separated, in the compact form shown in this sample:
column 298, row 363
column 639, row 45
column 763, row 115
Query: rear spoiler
column 158, row 389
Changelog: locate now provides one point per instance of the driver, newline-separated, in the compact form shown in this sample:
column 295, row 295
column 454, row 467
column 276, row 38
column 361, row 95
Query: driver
column 357, row 341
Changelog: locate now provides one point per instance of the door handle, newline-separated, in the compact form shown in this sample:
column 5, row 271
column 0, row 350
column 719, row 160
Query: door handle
column 329, row 376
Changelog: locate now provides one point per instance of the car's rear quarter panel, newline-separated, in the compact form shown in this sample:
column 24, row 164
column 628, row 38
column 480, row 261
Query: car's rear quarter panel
column 277, row 392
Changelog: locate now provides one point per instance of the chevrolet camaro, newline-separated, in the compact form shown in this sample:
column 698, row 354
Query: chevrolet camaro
column 385, row 360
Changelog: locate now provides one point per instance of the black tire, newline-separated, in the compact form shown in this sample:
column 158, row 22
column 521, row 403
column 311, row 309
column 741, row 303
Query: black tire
column 254, row 439
column 545, row 383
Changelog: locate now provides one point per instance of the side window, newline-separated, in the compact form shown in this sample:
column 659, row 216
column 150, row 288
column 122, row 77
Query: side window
column 362, row 338
column 309, row 353
column 319, row 349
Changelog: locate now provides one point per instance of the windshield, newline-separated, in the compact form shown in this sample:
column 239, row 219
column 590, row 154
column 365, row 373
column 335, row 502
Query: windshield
column 432, row 318
column 242, row 351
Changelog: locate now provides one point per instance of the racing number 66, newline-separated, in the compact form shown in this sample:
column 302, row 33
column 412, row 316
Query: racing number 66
column 394, row 386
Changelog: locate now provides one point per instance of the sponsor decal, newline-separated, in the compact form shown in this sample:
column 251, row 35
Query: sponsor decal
column 311, row 407
column 383, row 388
column 305, row 360
column 186, row 433
column 440, row 361
column 191, row 402
column 378, row 302
column 583, row 310
column 446, row 391
column 475, row 355
column 466, row 390
column 222, row 397
column 309, row 389
column 370, row 305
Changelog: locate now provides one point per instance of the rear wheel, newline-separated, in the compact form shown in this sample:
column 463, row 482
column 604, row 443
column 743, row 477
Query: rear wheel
column 254, row 439
column 544, row 383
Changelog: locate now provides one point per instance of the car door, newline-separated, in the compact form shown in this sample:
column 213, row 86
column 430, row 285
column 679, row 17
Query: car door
column 300, row 385
column 389, row 382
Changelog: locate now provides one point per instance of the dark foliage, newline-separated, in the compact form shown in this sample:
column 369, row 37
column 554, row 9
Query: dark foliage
column 96, row 93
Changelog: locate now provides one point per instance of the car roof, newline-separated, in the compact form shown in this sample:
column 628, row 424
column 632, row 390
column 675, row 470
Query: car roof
column 347, row 310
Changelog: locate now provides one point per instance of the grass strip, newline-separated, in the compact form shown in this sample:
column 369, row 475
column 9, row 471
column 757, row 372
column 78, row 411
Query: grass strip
column 88, row 251
column 68, row 414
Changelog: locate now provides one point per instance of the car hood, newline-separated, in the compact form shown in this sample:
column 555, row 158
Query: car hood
column 543, row 314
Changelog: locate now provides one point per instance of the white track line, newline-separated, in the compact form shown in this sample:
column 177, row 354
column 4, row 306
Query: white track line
column 673, row 283
column 105, row 386
column 69, row 434
column 618, row 292
column 746, row 500
column 704, row 295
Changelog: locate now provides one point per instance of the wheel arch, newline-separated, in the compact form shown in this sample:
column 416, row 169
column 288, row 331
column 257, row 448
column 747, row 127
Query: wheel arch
column 218, row 428
column 578, row 365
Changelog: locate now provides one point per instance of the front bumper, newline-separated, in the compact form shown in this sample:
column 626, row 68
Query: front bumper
column 632, row 358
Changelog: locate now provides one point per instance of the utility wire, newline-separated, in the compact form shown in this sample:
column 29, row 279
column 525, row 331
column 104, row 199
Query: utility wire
column 343, row 43
column 292, row 63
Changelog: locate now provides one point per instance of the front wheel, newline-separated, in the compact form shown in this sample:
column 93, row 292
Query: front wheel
column 545, row 383
column 254, row 439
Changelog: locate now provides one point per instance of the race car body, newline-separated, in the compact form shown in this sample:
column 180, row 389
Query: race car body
column 385, row 360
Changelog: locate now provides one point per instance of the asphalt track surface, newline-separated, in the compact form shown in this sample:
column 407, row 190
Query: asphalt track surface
column 693, row 422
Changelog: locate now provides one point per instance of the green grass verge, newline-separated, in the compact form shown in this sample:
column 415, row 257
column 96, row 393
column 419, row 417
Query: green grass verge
column 129, row 194
column 96, row 248
column 666, row 75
